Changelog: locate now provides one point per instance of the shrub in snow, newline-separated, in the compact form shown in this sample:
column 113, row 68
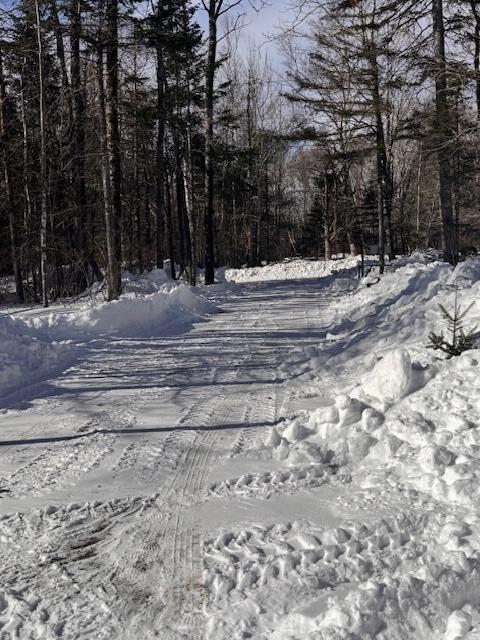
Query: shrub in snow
column 460, row 341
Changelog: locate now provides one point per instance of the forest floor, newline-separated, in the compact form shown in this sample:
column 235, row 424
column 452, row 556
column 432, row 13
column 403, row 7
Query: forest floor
column 295, row 465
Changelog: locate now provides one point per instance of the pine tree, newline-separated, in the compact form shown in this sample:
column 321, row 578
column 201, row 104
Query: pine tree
column 460, row 340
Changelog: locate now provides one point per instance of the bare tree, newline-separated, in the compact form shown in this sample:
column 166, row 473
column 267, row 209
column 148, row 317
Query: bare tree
column 443, row 132
column 113, row 212
column 17, row 267
column 43, row 158
column 215, row 10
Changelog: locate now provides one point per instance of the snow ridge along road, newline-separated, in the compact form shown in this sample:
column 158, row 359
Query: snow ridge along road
column 104, row 535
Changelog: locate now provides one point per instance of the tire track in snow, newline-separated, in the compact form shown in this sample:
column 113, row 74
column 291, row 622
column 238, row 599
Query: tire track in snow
column 185, row 568
column 61, row 464
column 153, row 527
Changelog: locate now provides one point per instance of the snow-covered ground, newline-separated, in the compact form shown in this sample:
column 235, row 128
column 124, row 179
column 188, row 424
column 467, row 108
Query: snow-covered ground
column 277, row 459
column 34, row 342
column 290, row 269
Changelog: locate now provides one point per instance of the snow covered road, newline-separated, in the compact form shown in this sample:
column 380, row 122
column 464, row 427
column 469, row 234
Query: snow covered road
column 297, row 467
column 106, row 541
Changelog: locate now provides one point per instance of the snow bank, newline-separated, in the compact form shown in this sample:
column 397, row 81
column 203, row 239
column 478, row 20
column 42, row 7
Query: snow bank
column 408, row 408
column 145, row 283
column 291, row 270
column 37, row 341
column 404, row 431
column 134, row 314
column 24, row 356
column 390, row 445
column 399, row 311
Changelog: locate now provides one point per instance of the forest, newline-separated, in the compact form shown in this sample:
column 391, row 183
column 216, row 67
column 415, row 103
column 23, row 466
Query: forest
column 136, row 135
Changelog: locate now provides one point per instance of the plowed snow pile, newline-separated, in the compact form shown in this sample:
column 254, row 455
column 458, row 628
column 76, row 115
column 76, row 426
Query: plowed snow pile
column 25, row 356
column 291, row 269
column 393, row 449
column 34, row 343
column 134, row 314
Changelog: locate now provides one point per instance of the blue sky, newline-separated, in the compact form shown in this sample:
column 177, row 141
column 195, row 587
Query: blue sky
column 261, row 26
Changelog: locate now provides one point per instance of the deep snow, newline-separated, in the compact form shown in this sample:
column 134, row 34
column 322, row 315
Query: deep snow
column 299, row 466
column 35, row 343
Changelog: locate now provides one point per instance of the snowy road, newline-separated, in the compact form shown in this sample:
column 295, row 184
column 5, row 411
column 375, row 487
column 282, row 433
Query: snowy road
column 107, row 468
column 297, row 467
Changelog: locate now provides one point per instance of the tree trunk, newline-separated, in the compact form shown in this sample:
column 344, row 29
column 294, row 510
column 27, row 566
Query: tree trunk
column 61, row 57
column 327, row 218
column 83, row 239
column 476, row 55
column 181, row 210
column 209, row 164
column 114, row 243
column 443, row 131
column 190, row 211
column 380, row 154
column 160, row 153
column 16, row 262
column 169, row 220
column 111, row 262
column 43, row 160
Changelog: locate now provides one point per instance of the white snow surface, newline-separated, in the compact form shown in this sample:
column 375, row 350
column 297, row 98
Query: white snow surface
column 35, row 343
column 25, row 356
column 149, row 305
column 290, row 269
column 299, row 467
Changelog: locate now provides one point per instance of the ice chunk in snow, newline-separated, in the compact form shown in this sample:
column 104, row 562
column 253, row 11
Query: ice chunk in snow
column 349, row 409
column 295, row 431
column 385, row 448
column 273, row 439
column 391, row 378
column 282, row 451
column 330, row 414
column 359, row 445
column 372, row 420
column 433, row 459
column 459, row 623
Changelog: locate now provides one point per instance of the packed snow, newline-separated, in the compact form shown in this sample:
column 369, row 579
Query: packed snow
column 34, row 344
column 300, row 467
column 150, row 305
column 291, row 269
column 25, row 356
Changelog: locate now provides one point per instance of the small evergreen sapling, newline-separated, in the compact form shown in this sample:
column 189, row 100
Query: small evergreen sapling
column 460, row 341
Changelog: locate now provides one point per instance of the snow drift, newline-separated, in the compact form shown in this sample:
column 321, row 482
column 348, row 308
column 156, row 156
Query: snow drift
column 291, row 269
column 397, row 425
column 24, row 356
column 133, row 315
column 36, row 342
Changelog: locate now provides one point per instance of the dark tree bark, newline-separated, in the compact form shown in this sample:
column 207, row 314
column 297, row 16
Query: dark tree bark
column 114, row 216
column 476, row 55
column 160, row 152
column 213, row 14
column 443, row 133
column 380, row 155
column 169, row 221
column 83, row 240
column 43, row 159
column 61, row 57
column 5, row 156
